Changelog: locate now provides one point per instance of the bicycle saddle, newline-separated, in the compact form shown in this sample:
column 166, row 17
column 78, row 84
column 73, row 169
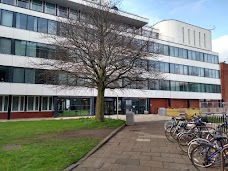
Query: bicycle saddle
column 218, row 137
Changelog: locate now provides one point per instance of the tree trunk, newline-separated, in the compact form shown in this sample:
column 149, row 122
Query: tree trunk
column 100, row 104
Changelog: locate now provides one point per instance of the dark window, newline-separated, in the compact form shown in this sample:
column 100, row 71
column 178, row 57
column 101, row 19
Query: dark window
column 42, row 25
column 37, row 5
column 31, row 49
column 10, row 2
column 73, row 15
column 52, row 27
column 166, row 69
column 23, row 3
column 41, row 50
column 20, row 47
column 5, row 46
column 172, row 68
column 164, row 85
column 173, row 85
column 166, row 50
column 51, row 52
column 21, row 21
column 32, row 23
column 18, row 75
column 50, row 9
column 30, row 76
column 151, row 47
column 62, row 12
column 4, row 74
column 7, row 18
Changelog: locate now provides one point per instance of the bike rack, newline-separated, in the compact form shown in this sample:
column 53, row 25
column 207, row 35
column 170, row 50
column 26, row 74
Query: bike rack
column 222, row 157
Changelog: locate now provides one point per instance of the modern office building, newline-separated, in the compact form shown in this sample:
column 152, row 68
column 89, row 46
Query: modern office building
column 190, row 68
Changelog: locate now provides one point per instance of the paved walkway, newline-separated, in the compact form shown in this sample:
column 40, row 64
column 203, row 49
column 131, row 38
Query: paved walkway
column 142, row 147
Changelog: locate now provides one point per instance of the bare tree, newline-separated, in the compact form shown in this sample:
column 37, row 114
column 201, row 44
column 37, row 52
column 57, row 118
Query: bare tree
column 100, row 51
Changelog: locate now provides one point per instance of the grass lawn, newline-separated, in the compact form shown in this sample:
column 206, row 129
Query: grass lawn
column 49, row 145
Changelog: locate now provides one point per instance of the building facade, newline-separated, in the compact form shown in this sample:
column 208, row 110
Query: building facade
column 190, row 68
column 224, row 81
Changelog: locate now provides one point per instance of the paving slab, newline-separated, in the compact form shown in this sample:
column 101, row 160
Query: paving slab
column 142, row 147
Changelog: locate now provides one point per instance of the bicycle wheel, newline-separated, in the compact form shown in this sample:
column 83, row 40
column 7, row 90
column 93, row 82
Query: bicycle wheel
column 168, row 124
column 184, row 139
column 168, row 135
column 203, row 156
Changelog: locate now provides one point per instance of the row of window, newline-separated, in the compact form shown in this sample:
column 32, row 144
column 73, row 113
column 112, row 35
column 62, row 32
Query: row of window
column 168, row 85
column 27, row 22
column 41, row 6
column 182, row 53
column 32, row 76
column 22, row 21
column 30, row 103
column 32, row 49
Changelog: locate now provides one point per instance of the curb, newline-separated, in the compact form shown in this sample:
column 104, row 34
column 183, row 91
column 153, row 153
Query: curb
column 113, row 133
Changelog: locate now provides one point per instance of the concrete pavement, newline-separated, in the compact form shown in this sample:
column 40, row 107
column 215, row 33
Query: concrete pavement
column 142, row 147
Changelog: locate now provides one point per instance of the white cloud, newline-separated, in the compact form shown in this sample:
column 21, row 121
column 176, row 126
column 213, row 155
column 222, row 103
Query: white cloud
column 220, row 45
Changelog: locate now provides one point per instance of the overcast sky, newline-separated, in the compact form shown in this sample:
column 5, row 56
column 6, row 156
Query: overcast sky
column 209, row 14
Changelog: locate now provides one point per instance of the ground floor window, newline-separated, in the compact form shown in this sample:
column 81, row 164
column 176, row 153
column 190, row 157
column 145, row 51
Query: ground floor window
column 73, row 106
column 47, row 103
column 18, row 103
column 33, row 103
column 3, row 103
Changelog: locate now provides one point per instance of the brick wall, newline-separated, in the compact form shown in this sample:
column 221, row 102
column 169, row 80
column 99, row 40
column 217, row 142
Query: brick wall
column 179, row 103
column 194, row 103
column 224, row 81
column 18, row 115
column 155, row 104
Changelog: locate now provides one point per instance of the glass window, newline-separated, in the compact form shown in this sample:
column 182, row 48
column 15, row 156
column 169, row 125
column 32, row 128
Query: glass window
column 21, row 21
column 30, row 76
column 216, row 59
column 7, row 18
column 181, row 69
column 51, row 50
column 50, row 9
column 37, row 5
column 31, row 49
column 177, row 69
column 23, row 3
column 172, row 68
column 73, row 14
column 172, row 51
column 32, row 23
column 4, row 74
column 205, row 57
column 197, row 56
column 209, row 58
column 20, row 47
column 201, row 72
column 50, row 103
column 41, row 50
column 173, row 85
column 5, row 46
column 166, row 50
column 180, row 52
column 18, row 75
column 218, row 90
column 22, row 103
column 203, row 88
column 36, row 103
column 151, row 47
column 15, row 103
column 10, row 2
column 164, row 85
column 44, row 103
column 207, row 74
column 185, row 53
column 30, row 103
column 166, row 69
column 189, row 54
column 6, row 100
column 201, row 56
column 1, row 103
column 0, row 15
column 42, row 25
column 62, row 12
column 52, row 27
column 185, row 70
column 176, row 53
column 193, row 55
column 177, row 86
